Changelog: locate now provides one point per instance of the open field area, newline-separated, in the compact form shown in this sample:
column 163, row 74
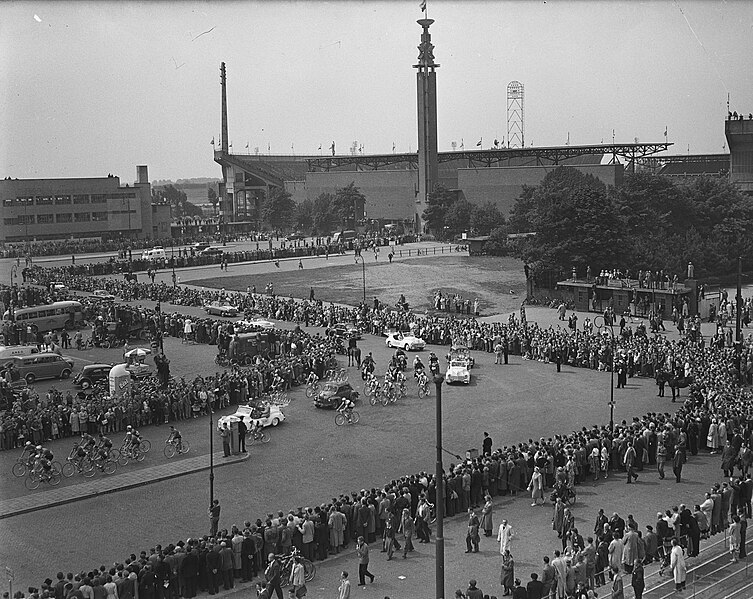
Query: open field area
column 491, row 279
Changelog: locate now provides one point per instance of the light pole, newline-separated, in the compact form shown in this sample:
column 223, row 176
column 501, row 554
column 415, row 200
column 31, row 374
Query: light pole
column 601, row 326
column 13, row 273
column 360, row 259
column 211, row 450
column 439, row 568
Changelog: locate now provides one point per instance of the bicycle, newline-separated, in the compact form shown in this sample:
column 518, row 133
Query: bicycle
column 424, row 389
column 173, row 446
column 336, row 375
column 104, row 463
column 260, row 436
column 22, row 465
column 75, row 464
column 287, row 561
column 349, row 416
column 35, row 478
column 278, row 398
column 131, row 452
column 312, row 385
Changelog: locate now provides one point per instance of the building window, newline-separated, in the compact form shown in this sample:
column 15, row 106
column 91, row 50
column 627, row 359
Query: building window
column 83, row 199
column 99, row 216
column 28, row 201
column 45, row 201
column 82, row 217
column 64, row 218
column 25, row 219
column 8, row 202
column 45, row 219
column 10, row 221
column 98, row 198
column 62, row 200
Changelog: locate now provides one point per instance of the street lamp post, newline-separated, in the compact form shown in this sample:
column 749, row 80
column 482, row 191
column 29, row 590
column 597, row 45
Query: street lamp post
column 601, row 326
column 211, row 451
column 439, row 568
column 360, row 259
column 13, row 273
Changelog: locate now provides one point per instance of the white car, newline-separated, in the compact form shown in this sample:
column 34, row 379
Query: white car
column 266, row 415
column 406, row 342
column 457, row 372
column 259, row 323
column 59, row 287
column 221, row 309
column 102, row 294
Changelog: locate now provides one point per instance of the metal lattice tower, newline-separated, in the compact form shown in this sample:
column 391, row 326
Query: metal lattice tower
column 515, row 122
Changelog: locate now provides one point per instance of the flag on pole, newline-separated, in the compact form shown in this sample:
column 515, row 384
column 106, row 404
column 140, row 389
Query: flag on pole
column 320, row 146
column 479, row 142
column 269, row 147
column 423, row 5
column 462, row 145
column 212, row 142
column 665, row 134
column 393, row 147
column 247, row 145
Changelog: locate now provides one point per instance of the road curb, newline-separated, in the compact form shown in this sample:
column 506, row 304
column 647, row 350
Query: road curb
column 29, row 507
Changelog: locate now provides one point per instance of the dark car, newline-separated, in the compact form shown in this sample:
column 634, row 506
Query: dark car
column 91, row 374
column 331, row 394
column 343, row 330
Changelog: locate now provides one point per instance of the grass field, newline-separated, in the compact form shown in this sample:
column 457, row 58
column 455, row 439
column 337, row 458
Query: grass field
column 498, row 282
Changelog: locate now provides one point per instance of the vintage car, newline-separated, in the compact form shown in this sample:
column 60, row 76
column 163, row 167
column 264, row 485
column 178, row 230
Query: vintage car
column 461, row 353
column 211, row 251
column 102, row 294
column 343, row 330
column 457, row 372
column 139, row 370
column 331, row 394
column 59, row 287
column 255, row 323
column 220, row 309
column 405, row 341
column 262, row 412
column 91, row 374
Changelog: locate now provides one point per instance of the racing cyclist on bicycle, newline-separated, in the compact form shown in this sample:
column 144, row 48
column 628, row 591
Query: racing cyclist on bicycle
column 418, row 366
column 43, row 466
column 255, row 429
column 104, row 447
column 132, row 439
column 346, row 407
column 175, row 437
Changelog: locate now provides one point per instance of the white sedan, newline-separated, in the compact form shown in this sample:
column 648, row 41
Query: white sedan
column 102, row 294
column 457, row 372
column 221, row 309
column 268, row 415
column 259, row 323
column 406, row 342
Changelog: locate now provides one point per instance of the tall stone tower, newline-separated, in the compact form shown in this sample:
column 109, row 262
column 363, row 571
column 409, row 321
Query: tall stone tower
column 426, row 86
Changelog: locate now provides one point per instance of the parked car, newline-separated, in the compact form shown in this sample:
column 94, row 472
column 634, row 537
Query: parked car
column 262, row 412
column 44, row 365
column 211, row 251
column 102, row 294
column 221, row 309
column 295, row 237
column 91, row 374
column 344, row 330
column 406, row 341
column 59, row 287
column 457, row 372
column 331, row 394
column 200, row 246
column 258, row 323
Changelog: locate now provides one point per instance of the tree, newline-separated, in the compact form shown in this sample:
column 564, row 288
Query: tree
column 457, row 217
column 304, row 215
column 438, row 202
column 180, row 206
column 486, row 218
column 212, row 198
column 497, row 243
column 279, row 209
column 348, row 205
column 324, row 219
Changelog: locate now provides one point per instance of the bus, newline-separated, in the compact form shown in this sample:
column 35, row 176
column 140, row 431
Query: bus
column 57, row 315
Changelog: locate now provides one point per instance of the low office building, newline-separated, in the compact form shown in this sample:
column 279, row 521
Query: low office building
column 39, row 210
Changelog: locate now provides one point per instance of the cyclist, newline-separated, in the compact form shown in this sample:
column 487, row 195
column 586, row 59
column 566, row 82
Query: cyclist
column 175, row 437
column 78, row 454
column 132, row 438
column 255, row 429
column 346, row 407
column 103, row 447
column 433, row 363
column 418, row 366
column 43, row 466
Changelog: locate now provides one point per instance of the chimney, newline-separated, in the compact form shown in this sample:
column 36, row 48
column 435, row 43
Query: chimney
column 142, row 174
column 223, row 82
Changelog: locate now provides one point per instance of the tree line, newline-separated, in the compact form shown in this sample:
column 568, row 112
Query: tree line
column 650, row 222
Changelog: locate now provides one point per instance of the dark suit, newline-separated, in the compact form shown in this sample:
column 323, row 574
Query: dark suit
column 535, row 589
column 214, row 571
column 189, row 574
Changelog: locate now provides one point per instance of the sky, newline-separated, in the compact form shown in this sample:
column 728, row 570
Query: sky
column 91, row 88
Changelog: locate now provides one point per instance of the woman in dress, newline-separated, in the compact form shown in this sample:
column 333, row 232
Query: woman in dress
column 536, row 487
column 486, row 515
column 111, row 588
column 507, row 575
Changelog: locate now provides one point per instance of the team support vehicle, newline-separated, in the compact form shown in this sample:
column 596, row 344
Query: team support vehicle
column 260, row 414
column 406, row 341
column 220, row 309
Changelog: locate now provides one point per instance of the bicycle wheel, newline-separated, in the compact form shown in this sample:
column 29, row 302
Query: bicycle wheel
column 309, row 390
column 284, row 400
column 88, row 468
column 109, row 467
column 123, row 458
column 145, row 445
column 55, row 478
column 354, row 417
column 57, row 467
column 309, row 570
column 169, row 450
column 68, row 470
column 340, row 419
column 342, row 375
column 105, row 344
column 114, row 455
column 265, row 438
column 373, row 400
column 19, row 469
column 385, row 399
column 184, row 446
column 421, row 392
column 31, row 483
column 138, row 455
column 367, row 390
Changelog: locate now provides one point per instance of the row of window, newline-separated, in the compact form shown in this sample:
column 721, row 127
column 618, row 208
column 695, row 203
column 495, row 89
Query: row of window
column 48, row 219
column 65, row 200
